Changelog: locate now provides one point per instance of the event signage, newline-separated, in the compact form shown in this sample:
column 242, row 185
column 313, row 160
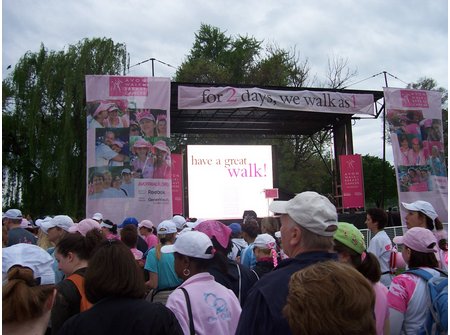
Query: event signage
column 233, row 97
column 226, row 180
column 271, row 193
column 415, row 126
column 352, row 181
column 128, row 156
column 177, row 183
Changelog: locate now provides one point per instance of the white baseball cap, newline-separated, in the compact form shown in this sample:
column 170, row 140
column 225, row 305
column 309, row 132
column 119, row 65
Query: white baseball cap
column 193, row 244
column 166, row 227
column 421, row 206
column 264, row 241
column 13, row 214
column 179, row 221
column 97, row 216
column 62, row 221
column 310, row 210
column 30, row 256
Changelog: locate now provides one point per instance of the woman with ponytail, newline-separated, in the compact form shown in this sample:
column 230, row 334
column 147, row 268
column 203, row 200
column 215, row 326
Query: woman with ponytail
column 350, row 246
column 266, row 254
column 109, row 230
column 162, row 277
column 73, row 253
column 28, row 289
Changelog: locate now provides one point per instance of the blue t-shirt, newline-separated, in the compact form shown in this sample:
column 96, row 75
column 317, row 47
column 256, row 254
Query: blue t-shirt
column 248, row 257
column 59, row 275
column 164, row 267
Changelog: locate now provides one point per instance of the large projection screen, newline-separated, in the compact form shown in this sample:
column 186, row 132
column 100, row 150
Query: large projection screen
column 226, row 180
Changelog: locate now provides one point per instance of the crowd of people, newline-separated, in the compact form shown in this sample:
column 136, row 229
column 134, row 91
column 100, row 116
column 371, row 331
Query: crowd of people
column 297, row 272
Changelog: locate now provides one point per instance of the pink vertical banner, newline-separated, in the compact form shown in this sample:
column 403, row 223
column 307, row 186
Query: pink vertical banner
column 177, row 183
column 418, row 143
column 352, row 182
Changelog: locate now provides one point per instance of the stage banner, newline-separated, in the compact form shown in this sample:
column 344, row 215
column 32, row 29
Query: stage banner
column 177, row 184
column 232, row 97
column 415, row 126
column 128, row 155
column 352, row 181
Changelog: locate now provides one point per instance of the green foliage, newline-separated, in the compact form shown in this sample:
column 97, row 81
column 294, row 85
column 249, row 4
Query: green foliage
column 373, row 183
column 44, row 125
column 217, row 58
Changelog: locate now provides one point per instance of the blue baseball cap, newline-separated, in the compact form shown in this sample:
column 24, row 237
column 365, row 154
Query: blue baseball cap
column 127, row 221
column 235, row 228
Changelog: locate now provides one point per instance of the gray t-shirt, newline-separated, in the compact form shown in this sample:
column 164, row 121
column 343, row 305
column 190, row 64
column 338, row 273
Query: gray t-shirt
column 20, row 235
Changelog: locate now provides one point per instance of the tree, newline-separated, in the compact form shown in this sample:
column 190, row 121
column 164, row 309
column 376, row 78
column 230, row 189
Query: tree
column 44, row 125
column 373, row 169
column 338, row 72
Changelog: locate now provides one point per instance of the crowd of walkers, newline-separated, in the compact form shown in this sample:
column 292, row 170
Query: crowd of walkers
column 297, row 272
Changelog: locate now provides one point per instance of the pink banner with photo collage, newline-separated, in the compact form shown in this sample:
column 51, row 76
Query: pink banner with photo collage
column 415, row 126
column 129, row 168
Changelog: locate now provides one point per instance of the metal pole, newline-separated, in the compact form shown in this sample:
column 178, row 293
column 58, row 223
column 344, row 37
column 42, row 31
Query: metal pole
column 153, row 66
column 383, row 183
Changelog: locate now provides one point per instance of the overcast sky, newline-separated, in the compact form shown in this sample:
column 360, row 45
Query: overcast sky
column 406, row 38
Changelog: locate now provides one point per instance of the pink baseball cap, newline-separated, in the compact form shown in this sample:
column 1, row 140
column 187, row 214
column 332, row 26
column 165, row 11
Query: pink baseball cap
column 104, row 106
column 217, row 229
column 418, row 239
column 145, row 114
column 161, row 145
column 146, row 224
column 141, row 143
column 84, row 226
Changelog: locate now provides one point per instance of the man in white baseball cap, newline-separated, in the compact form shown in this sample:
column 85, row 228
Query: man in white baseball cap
column 308, row 222
column 16, row 234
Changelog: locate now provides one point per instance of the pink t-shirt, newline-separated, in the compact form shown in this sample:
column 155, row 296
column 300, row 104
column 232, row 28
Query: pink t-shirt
column 381, row 306
column 407, row 300
column 151, row 240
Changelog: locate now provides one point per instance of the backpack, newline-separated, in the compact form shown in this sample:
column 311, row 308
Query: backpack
column 437, row 317
column 239, row 249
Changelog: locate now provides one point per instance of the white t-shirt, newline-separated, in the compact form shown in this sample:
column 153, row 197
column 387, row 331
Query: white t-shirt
column 381, row 246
